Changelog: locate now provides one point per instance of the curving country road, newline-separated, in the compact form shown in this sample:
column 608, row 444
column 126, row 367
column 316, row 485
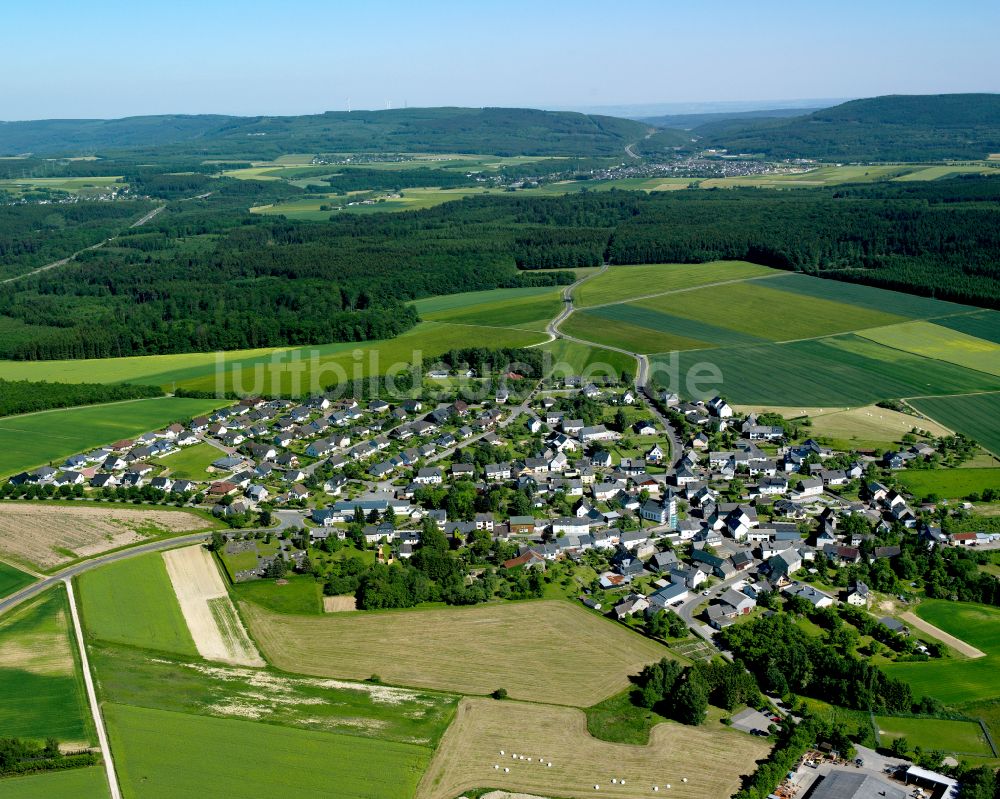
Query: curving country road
column 642, row 364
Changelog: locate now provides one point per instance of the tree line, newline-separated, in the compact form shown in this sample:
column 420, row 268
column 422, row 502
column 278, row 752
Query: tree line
column 26, row 396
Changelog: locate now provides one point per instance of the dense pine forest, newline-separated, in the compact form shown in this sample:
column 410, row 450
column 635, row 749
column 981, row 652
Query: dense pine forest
column 205, row 274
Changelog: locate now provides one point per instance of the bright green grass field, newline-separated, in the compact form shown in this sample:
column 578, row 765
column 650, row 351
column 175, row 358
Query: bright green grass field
column 949, row 483
column 687, row 333
column 298, row 594
column 165, row 755
column 132, row 602
column 41, row 686
column 571, row 358
column 37, row 438
column 625, row 282
column 838, row 371
column 943, row 735
column 976, row 415
column 12, row 579
column 78, row 783
column 957, row 680
column 430, row 307
column 191, row 462
column 759, row 309
column 942, row 343
column 300, row 371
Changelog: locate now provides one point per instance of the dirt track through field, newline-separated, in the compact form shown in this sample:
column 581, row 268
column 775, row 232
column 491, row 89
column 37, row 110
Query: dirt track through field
column 534, row 736
column 955, row 643
column 215, row 627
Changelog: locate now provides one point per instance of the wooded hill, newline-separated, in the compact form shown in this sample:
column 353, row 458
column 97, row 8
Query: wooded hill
column 498, row 131
column 891, row 128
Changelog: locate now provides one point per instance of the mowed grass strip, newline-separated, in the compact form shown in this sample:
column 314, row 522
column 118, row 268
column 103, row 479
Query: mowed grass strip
column 165, row 755
column 12, row 579
column 941, row 343
column 957, row 681
column 976, row 415
column 548, row 651
column 41, row 686
column 625, row 282
column 79, row 783
column 758, row 309
column 132, row 602
column 949, row 483
column 599, row 326
column 930, row 734
column 37, row 438
column 712, row 760
column 839, row 371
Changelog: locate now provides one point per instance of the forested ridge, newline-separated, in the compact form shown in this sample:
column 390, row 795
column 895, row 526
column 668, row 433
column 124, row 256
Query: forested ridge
column 205, row 274
column 891, row 128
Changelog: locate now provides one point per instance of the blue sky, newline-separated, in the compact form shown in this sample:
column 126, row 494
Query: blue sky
column 66, row 58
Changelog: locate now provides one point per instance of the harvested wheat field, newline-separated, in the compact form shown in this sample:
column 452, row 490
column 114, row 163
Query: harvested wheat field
column 339, row 604
column 551, row 651
column 712, row 760
column 47, row 536
column 215, row 627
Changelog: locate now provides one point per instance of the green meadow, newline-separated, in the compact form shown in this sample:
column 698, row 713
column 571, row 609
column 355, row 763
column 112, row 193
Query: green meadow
column 949, row 483
column 191, row 462
column 12, row 579
column 162, row 755
column 976, row 415
column 41, row 685
column 79, row 783
column 35, row 439
column 525, row 308
column 132, row 602
column 957, row 680
column 932, row 734
column 981, row 324
column 573, row 358
column 941, row 343
column 618, row 326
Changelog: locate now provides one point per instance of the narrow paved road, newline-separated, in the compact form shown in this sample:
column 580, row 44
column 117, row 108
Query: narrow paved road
column 95, row 708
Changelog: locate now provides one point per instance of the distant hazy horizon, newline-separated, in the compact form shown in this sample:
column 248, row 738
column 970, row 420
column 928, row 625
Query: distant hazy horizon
column 112, row 58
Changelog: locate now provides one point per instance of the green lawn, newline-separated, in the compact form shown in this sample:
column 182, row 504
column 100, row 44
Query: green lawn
column 12, row 579
column 975, row 415
column 41, row 685
column 571, row 358
column 957, row 681
column 838, row 371
column 161, row 754
column 35, row 439
column 133, row 602
column 79, row 783
column 300, row 594
column 191, row 462
column 621, row 283
column 948, row 483
column 619, row 720
column 944, row 735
